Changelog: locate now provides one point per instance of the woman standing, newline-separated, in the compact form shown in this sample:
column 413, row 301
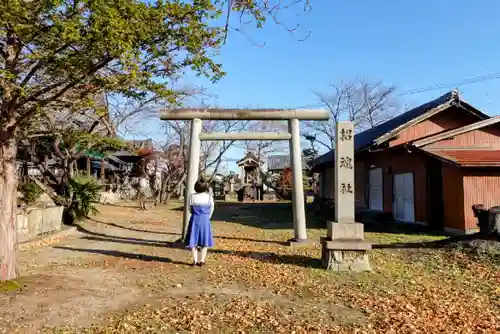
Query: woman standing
column 199, row 235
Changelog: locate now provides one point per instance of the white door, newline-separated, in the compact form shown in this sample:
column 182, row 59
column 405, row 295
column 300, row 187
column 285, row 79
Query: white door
column 375, row 190
column 403, row 203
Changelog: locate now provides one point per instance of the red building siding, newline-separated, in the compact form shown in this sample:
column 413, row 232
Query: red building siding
column 480, row 187
column 485, row 138
column 396, row 162
column 360, row 182
column 453, row 197
column 461, row 187
column 446, row 120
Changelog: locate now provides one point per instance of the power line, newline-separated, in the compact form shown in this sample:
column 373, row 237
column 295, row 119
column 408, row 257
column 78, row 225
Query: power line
column 464, row 82
column 470, row 81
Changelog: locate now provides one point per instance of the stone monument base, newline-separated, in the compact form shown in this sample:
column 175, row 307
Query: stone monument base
column 344, row 248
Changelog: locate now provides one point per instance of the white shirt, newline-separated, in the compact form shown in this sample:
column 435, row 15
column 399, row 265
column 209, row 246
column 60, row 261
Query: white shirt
column 202, row 199
column 143, row 182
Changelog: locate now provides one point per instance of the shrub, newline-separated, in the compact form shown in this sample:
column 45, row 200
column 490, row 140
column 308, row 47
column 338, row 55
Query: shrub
column 31, row 192
column 84, row 194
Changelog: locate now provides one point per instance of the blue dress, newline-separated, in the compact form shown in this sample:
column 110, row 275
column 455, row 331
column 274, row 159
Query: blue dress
column 199, row 233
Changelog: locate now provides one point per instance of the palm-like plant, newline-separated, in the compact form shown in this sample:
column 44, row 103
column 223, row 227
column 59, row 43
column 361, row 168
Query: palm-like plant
column 83, row 194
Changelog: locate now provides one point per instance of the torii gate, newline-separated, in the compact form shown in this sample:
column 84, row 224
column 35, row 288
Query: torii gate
column 293, row 136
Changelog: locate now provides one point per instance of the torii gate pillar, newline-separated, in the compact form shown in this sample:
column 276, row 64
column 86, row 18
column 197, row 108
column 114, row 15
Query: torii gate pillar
column 192, row 170
column 298, row 202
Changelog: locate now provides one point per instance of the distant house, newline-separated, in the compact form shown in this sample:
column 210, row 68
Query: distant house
column 428, row 165
column 278, row 163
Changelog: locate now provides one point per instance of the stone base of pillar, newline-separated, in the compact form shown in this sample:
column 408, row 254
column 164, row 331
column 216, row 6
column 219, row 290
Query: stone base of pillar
column 299, row 242
column 344, row 260
column 344, row 248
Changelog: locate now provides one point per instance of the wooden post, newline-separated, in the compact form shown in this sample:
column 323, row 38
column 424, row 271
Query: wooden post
column 102, row 171
column 89, row 166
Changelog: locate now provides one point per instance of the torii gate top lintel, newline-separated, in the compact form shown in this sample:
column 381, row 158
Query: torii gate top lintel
column 244, row 114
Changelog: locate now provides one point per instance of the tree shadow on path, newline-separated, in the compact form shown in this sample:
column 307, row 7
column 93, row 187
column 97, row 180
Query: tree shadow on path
column 270, row 257
column 124, row 255
column 178, row 234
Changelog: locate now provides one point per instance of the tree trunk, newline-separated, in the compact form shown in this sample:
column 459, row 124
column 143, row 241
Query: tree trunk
column 89, row 166
column 8, row 205
column 71, row 170
column 161, row 192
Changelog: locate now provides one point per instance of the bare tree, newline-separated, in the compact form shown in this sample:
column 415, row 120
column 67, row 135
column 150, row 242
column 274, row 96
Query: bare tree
column 176, row 149
column 362, row 102
column 213, row 151
column 124, row 113
column 262, row 148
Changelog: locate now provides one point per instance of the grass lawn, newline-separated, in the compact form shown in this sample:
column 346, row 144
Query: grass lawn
column 255, row 283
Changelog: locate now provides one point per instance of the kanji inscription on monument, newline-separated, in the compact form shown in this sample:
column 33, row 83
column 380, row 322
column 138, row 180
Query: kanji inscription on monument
column 345, row 134
column 346, row 162
column 344, row 173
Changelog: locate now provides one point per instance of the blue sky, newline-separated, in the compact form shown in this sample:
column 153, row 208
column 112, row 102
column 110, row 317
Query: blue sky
column 410, row 44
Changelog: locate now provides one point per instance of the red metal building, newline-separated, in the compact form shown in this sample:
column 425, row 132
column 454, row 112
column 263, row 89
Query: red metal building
column 428, row 165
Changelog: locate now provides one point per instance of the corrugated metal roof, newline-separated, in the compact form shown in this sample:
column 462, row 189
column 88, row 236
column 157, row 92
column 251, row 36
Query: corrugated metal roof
column 366, row 138
column 280, row 162
column 107, row 165
column 277, row 162
column 469, row 158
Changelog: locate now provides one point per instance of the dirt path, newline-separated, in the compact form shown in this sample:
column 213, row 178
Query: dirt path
column 84, row 276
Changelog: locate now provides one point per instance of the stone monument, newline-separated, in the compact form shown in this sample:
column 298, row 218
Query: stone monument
column 344, row 248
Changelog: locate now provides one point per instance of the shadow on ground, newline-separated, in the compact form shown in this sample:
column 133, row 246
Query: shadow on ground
column 269, row 215
column 124, row 255
column 471, row 241
column 82, row 229
column 270, row 257
column 279, row 215
column 127, row 205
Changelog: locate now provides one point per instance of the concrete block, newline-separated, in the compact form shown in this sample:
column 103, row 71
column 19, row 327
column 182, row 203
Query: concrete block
column 270, row 197
column 45, row 200
column 345, row 255
column 354, row 231
column 109, row 197
column 22, row 223
column 38, row 221
column 231, row 197
column 341, row 261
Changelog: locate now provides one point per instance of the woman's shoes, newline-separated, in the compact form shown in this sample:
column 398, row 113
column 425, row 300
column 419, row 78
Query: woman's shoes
column 200, row 264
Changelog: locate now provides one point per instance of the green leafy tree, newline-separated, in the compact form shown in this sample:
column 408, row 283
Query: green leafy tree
column 53, row 52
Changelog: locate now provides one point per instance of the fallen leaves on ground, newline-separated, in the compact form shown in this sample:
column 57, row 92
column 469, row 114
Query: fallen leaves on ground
column 253, row 283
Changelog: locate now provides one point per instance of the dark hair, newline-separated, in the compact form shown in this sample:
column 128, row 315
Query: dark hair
column 201, row 186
